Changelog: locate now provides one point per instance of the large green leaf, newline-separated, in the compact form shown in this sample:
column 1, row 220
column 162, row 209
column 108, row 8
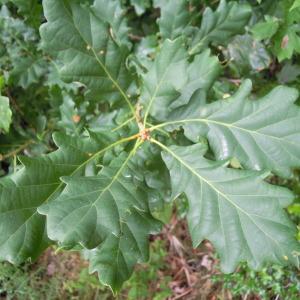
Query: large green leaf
column 172, row 79
column 89, row 41
column 219, row 26
column 236, row 210
column 110, row 210
column 22, row 229
column 5, row 114
column 167, row 75
column 262, row 134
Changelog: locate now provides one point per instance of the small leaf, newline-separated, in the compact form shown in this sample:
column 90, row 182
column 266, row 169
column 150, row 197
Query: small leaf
column 289, row 44
column 265, row 30
column 248, row 53
column 174, row 18
column 5, row 114
column 28, row 70
column 69, row 116
column 288, row 73
column 287, row 39
column 219, row 26
column 30, row 9
column 140, row 6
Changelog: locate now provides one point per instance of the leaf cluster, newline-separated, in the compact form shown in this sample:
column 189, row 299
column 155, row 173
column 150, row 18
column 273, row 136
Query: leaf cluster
column 138, row 123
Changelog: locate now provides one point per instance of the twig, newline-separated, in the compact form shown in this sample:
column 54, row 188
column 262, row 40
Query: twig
column 235, row 81
column 16, row 151
column 14, row 103
column 134, row 37
column 18, row 109
column 182, row 295
column 144, row 133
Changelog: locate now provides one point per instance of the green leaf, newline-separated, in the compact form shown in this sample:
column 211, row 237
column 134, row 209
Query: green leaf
column 70, row 119
column 288, row 43
column 265, row 30
column 30, row 9
column 263, row 134
column 140, row 6
column 145, row 50
column 90, row 48
column 5, row 114
column 287, row 39
column 295, row 5
column 247, row 53
column 156, row 176
column 174, row 17
column 113, row 213
column 167, row 75
column 22, row 229
column 115, row 259
column 288, row 73
column 172, row 80
column 112, row 13
column 28, row 70
column 236, row 210
column 23, row 5
column 219, row 26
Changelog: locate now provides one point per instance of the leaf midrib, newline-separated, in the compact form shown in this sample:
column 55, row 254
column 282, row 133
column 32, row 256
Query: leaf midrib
column 228, row 125
column 99, row 61
column 216, row 189
column 113, row 179
column 61, row 184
